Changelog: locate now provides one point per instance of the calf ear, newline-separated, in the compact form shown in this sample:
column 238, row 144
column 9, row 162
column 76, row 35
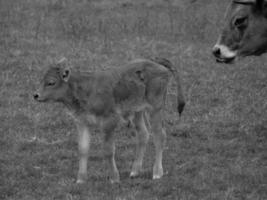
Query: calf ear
column 62, row 62
column 65, row 74
column 140, row 75
column 65, row 71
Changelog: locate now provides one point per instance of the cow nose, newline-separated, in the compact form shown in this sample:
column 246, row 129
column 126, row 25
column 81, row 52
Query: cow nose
column 36, row 96
column 216, row 51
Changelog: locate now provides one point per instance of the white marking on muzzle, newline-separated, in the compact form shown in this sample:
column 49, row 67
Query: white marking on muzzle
column 225, row 51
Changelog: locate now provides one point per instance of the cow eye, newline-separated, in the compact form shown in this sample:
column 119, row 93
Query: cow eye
column 240, row 22
column 51, row 83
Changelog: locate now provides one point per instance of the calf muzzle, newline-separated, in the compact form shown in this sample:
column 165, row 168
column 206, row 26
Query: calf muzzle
column 35, row 96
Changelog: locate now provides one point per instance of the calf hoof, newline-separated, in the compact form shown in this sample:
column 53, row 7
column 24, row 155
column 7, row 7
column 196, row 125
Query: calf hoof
column 113, row 181
column 81, row 178
column 114, row 178
column 157, row 177
column 157, row 173
column 136, row 169
column 134, row 174
column 80, row 181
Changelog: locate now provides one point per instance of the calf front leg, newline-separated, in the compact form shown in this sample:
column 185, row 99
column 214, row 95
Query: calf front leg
column 84, row 138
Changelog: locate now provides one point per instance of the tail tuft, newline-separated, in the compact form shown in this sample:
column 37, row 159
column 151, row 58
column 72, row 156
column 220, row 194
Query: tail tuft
column 180, row 107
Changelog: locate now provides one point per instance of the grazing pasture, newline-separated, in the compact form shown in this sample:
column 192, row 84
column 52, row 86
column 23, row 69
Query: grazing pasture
column 216, row 150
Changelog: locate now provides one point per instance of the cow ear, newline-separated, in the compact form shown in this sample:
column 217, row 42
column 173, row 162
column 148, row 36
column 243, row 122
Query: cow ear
column 260, row 4
column 65, row 75
column 264, row 9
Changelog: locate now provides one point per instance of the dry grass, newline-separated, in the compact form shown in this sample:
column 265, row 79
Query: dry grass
column 217, row 150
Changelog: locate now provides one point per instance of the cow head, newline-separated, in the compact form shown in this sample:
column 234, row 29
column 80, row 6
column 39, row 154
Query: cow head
column 244, row 32
column 54, row 86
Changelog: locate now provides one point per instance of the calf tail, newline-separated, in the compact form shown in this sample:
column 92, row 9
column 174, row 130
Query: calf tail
column 180, row 97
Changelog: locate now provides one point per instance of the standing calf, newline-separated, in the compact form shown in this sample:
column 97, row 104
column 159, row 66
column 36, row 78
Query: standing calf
column 135, row 93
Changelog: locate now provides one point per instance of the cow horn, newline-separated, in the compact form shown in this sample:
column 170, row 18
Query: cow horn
column 244, row 1
column 260, row 2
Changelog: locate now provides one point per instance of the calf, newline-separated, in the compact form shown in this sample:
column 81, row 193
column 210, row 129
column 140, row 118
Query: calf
column 135, row 92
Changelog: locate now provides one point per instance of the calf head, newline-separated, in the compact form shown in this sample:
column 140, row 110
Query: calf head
column 244, row 32
column 54, row 86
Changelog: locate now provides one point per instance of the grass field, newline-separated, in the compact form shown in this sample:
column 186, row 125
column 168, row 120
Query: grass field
column 216, row 151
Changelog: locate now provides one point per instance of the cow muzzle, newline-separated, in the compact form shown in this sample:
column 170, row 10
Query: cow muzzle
column 223, row 54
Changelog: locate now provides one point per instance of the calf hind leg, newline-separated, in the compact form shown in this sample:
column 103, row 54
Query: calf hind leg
column 142, row 139
column 159, row 137
column 109, row 149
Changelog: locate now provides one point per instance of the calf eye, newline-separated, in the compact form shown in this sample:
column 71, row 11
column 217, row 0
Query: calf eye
column 240, row 22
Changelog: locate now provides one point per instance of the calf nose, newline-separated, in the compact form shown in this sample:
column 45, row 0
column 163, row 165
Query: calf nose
column 36, row 96
column 216, row 51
